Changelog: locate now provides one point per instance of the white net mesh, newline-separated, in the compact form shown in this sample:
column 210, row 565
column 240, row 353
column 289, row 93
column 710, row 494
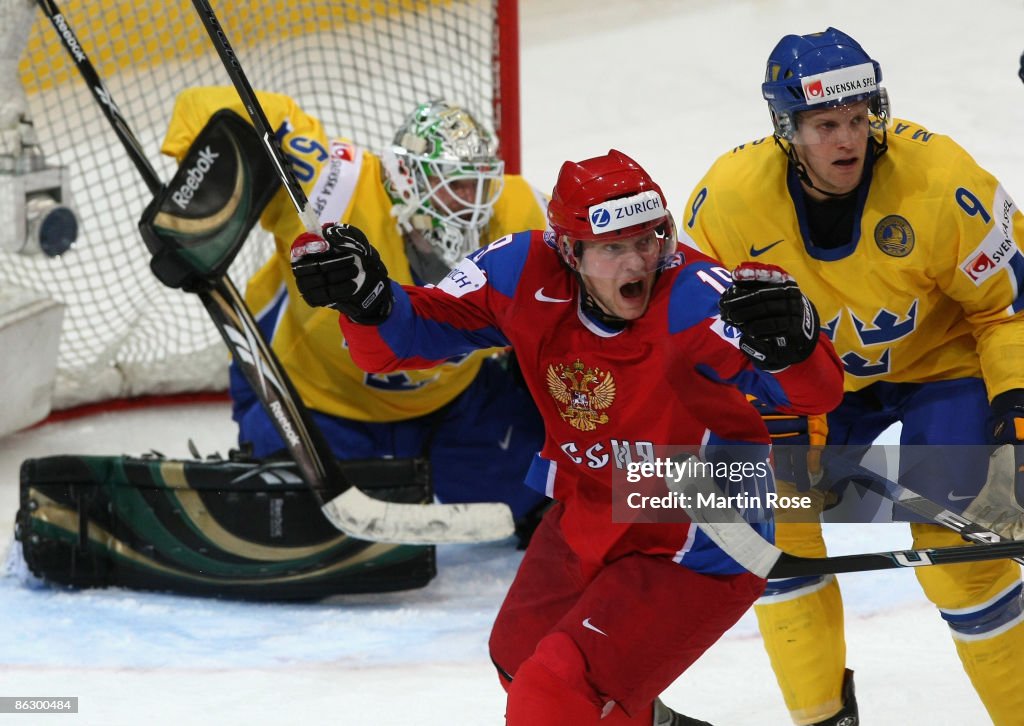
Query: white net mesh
column 358, row 65
column 15, row 20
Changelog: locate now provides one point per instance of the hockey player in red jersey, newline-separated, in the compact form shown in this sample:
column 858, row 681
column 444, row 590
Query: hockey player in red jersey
column 623, row 348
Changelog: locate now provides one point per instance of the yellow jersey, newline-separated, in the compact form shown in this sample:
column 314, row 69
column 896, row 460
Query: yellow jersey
column 929, row 287
column 344, row 184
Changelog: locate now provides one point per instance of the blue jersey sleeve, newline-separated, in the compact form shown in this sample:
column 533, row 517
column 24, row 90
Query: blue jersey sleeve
column 462, row 313
column 714, row 345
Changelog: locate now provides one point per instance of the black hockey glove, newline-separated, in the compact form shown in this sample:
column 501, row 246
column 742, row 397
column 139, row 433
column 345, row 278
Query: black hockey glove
column 778, row 325
column 342, row 270
column 1006, row 422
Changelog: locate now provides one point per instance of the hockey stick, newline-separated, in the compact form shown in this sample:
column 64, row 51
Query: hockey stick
column 787, row 565
column 739, row 540
column 259, row 119
column 102, row 96
column 352, row 509
column 916, row 503
column 347, row 507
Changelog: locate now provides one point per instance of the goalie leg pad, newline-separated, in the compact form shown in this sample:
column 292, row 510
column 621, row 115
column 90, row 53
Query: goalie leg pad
column 241, row 529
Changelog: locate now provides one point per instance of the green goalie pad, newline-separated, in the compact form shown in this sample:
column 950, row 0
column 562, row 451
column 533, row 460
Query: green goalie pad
column 240, row 528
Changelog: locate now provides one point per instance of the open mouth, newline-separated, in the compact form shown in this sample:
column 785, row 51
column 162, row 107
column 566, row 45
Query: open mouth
column 632, row 290
column 845, row 162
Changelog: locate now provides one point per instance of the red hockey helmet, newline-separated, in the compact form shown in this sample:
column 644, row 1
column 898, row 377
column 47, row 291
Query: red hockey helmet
column 605, row 197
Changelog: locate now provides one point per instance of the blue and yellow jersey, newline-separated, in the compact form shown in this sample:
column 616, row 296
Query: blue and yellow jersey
column 344, row 183
column 931, row 285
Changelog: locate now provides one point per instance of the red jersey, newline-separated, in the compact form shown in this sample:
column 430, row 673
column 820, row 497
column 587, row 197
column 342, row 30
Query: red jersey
column 675, row 376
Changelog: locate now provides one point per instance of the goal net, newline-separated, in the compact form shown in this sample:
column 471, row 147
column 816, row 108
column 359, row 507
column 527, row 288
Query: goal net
column 359, row 65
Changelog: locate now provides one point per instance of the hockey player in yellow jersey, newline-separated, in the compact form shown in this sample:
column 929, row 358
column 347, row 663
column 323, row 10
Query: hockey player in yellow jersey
column 912, row 255
column 433, row 196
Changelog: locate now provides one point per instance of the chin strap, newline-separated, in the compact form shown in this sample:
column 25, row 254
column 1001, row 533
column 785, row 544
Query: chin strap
column 877, row 148
column 591, row 308
column 589, row 304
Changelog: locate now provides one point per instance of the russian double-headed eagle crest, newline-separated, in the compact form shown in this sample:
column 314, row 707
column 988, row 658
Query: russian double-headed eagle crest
column 585, row 392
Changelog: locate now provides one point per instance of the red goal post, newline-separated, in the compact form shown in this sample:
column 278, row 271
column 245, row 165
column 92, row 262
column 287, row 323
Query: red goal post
column 358, row 65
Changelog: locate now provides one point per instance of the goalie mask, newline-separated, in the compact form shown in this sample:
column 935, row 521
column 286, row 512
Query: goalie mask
column 443, row 175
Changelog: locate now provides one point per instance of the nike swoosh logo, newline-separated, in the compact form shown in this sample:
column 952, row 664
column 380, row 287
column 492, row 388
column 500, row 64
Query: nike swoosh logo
column 758, row 251
column 503, row 444
column 539, row 295
column 955, row 498
column 589, row 626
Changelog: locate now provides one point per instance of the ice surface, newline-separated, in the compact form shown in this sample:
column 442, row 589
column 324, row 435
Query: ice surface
column 674, row 84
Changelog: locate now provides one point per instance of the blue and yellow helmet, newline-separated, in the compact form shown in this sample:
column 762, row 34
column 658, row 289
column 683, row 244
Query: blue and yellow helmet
column 820, row 70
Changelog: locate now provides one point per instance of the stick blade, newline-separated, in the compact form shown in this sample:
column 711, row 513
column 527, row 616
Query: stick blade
column 363, row 517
